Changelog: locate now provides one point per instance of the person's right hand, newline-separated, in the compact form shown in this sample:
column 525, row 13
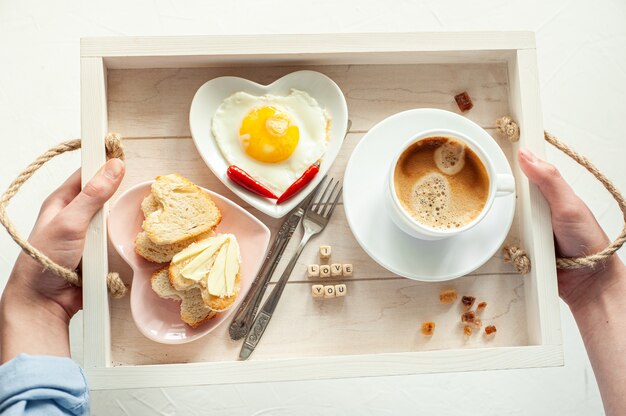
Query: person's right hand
column 576, row 233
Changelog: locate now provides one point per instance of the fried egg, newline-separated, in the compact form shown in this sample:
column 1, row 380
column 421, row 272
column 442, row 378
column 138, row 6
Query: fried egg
column 273, row 138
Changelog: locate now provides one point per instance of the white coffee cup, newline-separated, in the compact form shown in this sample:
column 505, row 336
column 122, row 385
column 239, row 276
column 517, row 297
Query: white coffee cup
column 499, row 185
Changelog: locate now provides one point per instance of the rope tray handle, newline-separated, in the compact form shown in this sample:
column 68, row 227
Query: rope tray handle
column 518, row 257
column 114, row 149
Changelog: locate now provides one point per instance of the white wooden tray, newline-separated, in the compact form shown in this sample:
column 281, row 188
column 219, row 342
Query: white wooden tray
column 142, row 89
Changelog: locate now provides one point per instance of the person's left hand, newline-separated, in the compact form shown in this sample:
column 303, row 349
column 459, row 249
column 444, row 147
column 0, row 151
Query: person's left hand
column 59, row 232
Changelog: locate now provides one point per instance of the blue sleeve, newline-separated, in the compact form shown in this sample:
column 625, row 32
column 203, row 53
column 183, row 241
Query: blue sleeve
column 42, row 385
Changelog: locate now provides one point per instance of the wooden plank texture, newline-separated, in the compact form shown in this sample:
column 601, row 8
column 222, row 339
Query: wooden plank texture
column 147, row 158
column 382, row 312
column 334, row 48
column 317, row 368
column 155, row 102
column 378, row 315
column 541, row 288
column 96, row 326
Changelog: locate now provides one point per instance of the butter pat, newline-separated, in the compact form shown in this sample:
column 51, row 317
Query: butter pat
column 196, row 248
column 223, row 273
column 216, row 282
column 232, row 266
column 198, row 268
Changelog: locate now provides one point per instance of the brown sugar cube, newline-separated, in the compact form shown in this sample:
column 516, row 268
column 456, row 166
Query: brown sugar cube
column 329, row 291
column 313, row 270
column 468, row 302
column 325, row 252
column 324, row 270
column 447, row 296
column 340, row 290
column 468, row 317
column 490, row 330
column 317, row 291
column 481, row 307
column 347, row 270
column 464, row 101
column 467, row 330
column 428, row 328
column 477, row 323
column 335, row 270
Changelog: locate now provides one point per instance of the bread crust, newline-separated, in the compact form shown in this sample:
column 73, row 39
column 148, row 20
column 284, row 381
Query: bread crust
column 219, row 304
column 180, row 282
column 193, row 312
column 163, row 253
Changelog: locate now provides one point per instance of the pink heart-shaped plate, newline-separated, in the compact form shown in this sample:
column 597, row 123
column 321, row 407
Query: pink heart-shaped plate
column 158, row 318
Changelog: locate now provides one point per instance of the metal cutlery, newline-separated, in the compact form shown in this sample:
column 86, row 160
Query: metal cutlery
column 240, row 325
column 315, row 219
column 245, row 314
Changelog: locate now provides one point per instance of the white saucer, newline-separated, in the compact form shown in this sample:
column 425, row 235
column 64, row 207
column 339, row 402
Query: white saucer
column 392, row 248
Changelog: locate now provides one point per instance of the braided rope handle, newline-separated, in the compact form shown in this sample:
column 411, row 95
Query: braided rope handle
column 510, row 129
column 114, row 149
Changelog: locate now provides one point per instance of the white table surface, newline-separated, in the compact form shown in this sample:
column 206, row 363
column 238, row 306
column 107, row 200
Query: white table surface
column 582, row 70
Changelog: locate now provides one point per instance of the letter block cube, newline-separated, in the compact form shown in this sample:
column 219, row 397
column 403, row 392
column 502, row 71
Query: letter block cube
column 335, row 270
column 324, row 270
column 317, row 291
column 340, row 290
column 329, row 291
column 313, row 270
column 347, row 270
column 325, row 252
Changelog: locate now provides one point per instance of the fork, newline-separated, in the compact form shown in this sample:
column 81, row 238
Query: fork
column 315, row 219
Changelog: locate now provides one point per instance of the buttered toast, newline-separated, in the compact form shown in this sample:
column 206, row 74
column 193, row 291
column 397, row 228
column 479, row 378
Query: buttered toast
column 193, row 311
column 213, row 266
column 178, row 227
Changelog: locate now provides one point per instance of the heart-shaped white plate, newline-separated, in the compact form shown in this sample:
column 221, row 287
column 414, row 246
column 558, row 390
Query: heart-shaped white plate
column 209, row 97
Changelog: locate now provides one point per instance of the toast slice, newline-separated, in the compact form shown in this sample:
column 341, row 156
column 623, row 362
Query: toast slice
column 220, row 304
column 183, row 211
column 193, row 311
column 149, row 205
column 160, row 253
column 163, row 253
column 180, row 283
column 211, row 265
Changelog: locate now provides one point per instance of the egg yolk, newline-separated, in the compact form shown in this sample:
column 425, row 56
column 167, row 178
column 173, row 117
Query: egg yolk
column 268, row 135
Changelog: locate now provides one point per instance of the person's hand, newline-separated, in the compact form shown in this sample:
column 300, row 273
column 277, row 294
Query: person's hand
column 59, row 232
column 576, row 233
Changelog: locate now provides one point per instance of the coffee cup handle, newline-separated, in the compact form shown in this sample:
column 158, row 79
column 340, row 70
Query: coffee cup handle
column 505, row 184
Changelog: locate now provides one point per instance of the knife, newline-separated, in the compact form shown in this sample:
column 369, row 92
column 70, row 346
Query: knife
column 245, row 314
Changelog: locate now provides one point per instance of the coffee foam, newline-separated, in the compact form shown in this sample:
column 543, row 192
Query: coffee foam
column 430, row 200
column 434, row 197
column 450, row 157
